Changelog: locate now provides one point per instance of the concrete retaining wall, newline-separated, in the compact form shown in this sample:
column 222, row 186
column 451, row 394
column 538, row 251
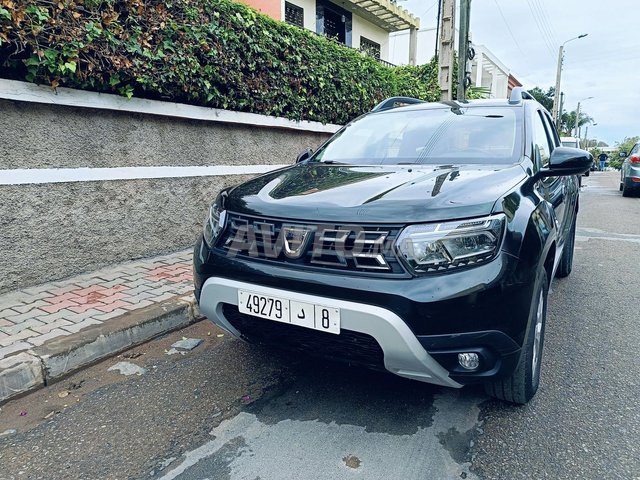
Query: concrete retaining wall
column 49, row 231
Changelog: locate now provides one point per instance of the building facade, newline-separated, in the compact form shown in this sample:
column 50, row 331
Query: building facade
column 361, row 24
column 487, row 71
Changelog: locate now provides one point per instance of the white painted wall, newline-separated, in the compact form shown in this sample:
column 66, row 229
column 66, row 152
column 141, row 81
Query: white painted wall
column 486, row 69
column 363, row 28
column 489, row 72
column 426, row 46
column 29, row 92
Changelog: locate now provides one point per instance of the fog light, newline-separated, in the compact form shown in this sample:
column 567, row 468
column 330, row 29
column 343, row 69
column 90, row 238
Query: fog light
column 469, row 361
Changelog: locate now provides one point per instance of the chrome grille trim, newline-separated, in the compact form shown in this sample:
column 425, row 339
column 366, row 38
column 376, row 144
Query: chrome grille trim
column 357, row 248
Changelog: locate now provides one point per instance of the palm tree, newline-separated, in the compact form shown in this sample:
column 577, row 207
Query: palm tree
column 568, row 123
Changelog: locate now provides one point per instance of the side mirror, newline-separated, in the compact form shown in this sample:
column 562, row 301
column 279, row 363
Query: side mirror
column 567, row 161
column 623, row 154
column 304, row 155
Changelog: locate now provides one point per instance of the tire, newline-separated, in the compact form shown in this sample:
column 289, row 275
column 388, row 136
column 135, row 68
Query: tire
column 566, row 262
column 621, row 186
column 522, row 384
column 626, row 191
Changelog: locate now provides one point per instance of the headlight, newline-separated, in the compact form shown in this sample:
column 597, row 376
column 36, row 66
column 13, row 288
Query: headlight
column 445, row 246
column 214, row 224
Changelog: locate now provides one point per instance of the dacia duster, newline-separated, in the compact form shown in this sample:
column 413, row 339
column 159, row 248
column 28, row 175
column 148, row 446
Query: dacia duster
column 421, row 238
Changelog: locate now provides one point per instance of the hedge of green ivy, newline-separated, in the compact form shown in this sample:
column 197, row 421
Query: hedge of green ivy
column 216, row 53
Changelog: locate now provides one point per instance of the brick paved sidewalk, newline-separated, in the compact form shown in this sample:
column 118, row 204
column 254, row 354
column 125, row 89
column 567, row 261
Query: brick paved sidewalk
column 32, row 316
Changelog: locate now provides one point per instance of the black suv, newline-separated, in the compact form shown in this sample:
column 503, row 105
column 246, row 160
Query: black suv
column 421, row 239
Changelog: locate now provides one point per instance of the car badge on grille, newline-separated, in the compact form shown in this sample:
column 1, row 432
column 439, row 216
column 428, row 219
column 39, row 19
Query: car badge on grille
column 296, row 240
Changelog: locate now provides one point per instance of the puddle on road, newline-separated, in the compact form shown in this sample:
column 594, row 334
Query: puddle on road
column 246, row 447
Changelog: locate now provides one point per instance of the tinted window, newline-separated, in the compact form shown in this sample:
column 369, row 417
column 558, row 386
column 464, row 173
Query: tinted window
column 540, row 140
column 429, row 136
column 553, row 134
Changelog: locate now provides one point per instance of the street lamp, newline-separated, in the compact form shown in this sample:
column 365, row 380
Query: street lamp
column 556, row 96
column 578, row 116
column 586, row 135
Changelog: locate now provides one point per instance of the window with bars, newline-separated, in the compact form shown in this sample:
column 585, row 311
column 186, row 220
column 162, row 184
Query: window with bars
column 293, row 14
column 370, row 47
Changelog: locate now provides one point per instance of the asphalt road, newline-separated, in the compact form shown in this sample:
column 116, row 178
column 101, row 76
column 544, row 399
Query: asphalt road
column 230, row 411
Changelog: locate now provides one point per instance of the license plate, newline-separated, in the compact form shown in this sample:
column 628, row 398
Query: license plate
column 279, row 309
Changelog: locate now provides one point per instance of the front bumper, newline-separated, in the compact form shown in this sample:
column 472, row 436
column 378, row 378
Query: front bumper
column 483, row 309
column 403, row 353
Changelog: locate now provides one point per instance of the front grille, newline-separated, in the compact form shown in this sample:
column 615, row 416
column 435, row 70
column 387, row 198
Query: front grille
column 352, row 347
column 354, row 248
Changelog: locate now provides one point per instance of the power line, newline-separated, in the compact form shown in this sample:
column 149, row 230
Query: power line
column 429, row 9
column 543, row 33
column 546, row 22
column 515, row 40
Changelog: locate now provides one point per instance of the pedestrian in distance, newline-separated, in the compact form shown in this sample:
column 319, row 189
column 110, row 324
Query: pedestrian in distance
column 603, row 157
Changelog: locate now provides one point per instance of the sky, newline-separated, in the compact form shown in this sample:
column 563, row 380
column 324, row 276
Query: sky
column 604, row 65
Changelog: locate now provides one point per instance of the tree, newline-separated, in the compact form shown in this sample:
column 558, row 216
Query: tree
column 615, row 160
column 544, row 98
column 568, row 121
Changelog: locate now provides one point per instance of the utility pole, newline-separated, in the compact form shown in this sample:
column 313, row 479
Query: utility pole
column 578, row 130
column 559, row 124
column 554, row 114
column 463, row 47
column 586, row 138
column 558, row 74
column 445, row 56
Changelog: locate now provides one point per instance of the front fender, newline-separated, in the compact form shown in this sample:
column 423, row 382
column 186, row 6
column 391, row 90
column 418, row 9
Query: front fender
column 531, row 229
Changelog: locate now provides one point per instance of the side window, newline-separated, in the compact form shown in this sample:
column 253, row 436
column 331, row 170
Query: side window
column 555, row 139
column 541, row 140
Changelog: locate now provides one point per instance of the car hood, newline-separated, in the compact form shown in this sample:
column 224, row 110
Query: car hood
column 375, row 194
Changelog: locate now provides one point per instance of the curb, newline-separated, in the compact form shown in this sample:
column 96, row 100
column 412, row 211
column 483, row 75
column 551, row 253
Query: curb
column 48, row 363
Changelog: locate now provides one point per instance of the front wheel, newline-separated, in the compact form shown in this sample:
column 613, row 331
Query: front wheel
column 522, row 384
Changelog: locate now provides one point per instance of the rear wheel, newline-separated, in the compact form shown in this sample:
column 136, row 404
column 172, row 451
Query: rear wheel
column 626, row 190
column 522, row 384
column 566, row 262
column 621, row 186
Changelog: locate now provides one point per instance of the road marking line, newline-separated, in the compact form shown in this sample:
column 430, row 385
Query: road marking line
column 586, row 234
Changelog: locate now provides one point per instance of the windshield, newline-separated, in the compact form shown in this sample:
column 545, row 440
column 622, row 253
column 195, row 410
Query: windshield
column 484, row 135
column 570, row 143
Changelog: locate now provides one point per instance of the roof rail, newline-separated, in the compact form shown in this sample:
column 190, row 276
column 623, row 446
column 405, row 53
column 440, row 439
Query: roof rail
column 518, row 94
column 394, row 102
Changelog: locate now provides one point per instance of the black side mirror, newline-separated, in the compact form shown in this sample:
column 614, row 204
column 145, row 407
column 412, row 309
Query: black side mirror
column 623, row 154
column 567, row 161
column 304, row 155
